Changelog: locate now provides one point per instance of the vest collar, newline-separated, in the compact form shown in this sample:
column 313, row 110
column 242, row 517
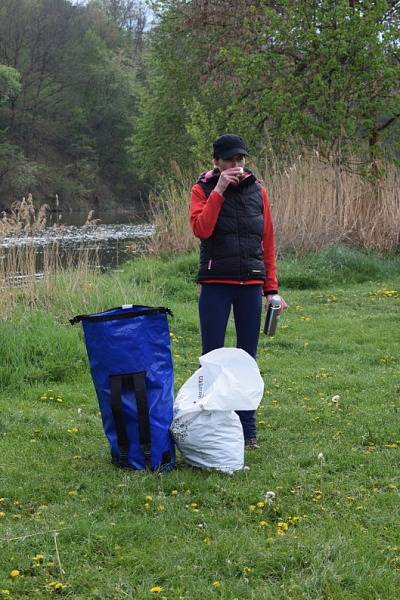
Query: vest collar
column 211, row 178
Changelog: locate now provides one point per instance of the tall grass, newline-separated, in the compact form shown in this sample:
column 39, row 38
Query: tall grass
column 169, row 210
column 29, row 278
column 314, row 204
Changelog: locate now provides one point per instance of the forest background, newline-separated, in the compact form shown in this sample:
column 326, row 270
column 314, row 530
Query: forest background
column 105, row 98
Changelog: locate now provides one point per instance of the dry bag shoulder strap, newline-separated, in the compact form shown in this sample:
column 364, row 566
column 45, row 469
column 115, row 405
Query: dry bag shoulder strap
column 137, row 383
column 119, row 421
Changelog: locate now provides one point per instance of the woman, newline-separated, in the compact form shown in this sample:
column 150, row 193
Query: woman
column 230, row 213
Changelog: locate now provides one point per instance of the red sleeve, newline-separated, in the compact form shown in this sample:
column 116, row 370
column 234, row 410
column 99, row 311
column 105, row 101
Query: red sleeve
column 271, row 282
column 204, row 212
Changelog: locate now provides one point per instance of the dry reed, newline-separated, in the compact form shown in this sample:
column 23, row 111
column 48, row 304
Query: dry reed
column 169, row 211
column 314, row 204
column 30, row 278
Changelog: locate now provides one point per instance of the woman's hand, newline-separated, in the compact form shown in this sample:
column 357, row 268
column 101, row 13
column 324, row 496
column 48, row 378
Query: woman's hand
column 283, row 307
column 228, row 177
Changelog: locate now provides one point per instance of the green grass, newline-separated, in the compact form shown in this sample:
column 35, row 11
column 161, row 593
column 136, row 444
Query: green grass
column 340, row 337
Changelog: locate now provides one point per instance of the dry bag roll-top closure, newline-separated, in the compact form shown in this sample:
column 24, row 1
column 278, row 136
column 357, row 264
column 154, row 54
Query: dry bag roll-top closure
column 130, row 359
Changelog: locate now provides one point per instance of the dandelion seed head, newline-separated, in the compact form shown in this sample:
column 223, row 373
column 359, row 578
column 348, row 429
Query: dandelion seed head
column 269, row 497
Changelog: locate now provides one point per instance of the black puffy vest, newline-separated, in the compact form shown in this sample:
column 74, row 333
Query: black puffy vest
column 234, row 250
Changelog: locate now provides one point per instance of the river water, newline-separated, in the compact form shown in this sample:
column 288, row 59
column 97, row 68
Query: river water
column 117, row 237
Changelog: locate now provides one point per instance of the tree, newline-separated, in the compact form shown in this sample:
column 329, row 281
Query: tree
column 72, row 116
column 10, row 83
column 323, row 72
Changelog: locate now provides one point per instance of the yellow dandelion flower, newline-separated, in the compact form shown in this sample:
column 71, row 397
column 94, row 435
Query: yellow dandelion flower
column 15, row 573
column 263, row 524
column 260, row 504
column 73, row 430
column 282, row 527
column 72, row 493
column 156, row 589
column 57, row 585
column 252, row 507
column 206, row 540
column 174, row 493
column 248, row 570
column 161, row 507
column 194, row 505
column 38, row 557
column 216, row 584
column 147, row 505
column 295, row 519
column 149, row 498
column 2, row 514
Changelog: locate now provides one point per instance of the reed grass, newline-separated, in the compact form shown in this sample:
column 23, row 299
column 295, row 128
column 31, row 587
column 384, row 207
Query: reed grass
column 169, row 210
column 32, row 279
column 314, row 204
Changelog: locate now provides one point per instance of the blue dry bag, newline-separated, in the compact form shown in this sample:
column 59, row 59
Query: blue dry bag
column 130, row 359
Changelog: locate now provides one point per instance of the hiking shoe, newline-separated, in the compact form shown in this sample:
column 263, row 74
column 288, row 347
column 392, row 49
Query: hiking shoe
column 251, row 443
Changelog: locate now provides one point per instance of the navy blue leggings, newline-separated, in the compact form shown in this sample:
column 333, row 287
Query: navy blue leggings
column 215, row 302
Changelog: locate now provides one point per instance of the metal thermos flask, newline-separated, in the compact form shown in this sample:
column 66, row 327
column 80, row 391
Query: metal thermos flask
column 271, row 320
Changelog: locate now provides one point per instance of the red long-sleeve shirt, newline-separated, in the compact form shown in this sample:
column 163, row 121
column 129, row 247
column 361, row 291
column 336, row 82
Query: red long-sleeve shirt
column 204, row 214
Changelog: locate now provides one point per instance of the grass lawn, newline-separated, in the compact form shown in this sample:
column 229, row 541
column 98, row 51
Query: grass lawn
column 332, row 386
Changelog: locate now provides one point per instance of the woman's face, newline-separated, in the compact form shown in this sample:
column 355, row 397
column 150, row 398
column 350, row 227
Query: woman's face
column 227, row 163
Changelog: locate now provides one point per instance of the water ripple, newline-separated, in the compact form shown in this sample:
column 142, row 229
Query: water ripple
column 70, row 234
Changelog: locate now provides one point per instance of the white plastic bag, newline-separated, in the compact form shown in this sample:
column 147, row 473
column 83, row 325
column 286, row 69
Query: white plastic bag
column 205, row 427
